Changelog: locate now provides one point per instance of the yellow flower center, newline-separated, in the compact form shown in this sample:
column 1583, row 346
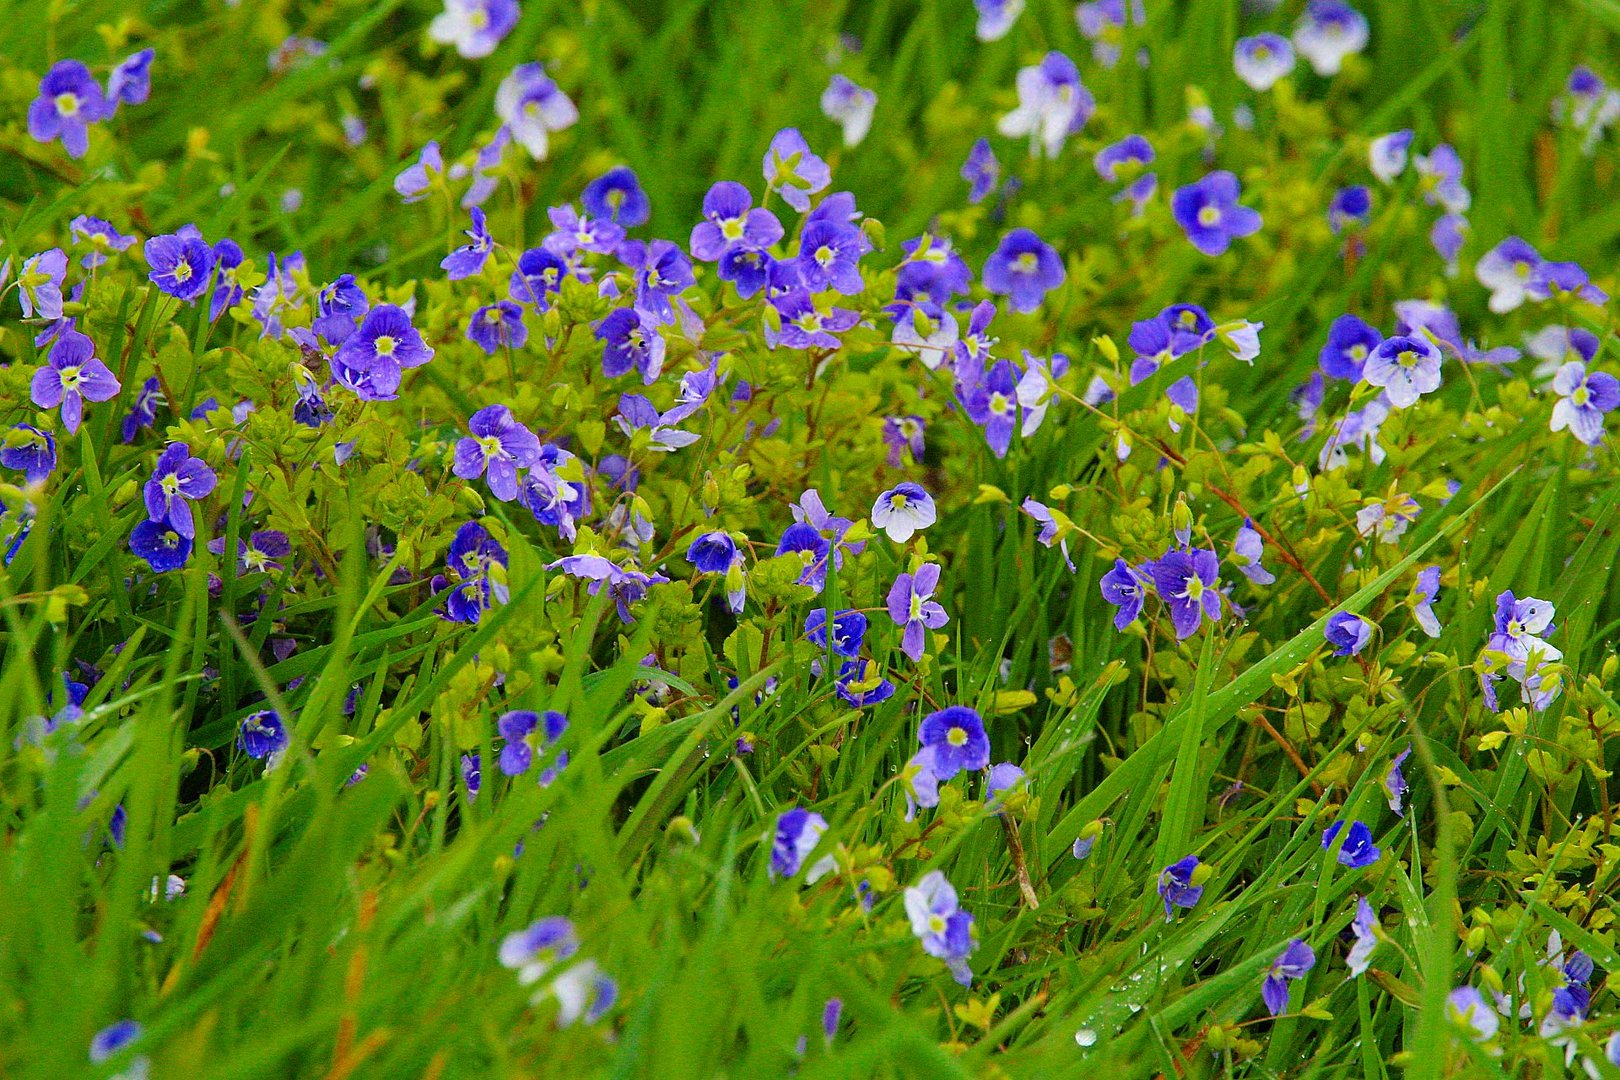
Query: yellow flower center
column 385, row 344
column 957, row 737
column 67, row 104
column 1209, row 217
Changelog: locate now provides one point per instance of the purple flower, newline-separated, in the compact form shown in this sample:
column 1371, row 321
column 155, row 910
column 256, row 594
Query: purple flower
column 1177, row 888
column 70, row 376
column 1208, row 211
column 130, row 83
column 1424, row 591
column 469, row 259
column 1052, row 105
column 1395, row 786
column 101, row 236
column 178, row 480
column 574, row 233
column 181, row 264
column 1468, row 1010
column 849, row 106
column 1506, row 270
column 1350, row 204
column 1440, row 178
column 793, row 171
column 39, row 285
column 474, row 27
column 829, row 257
column 903, row 433
column 1563, row 279
column 69, row 102
column 532, row 106
column 498, row 445
column 902, row 511
column 730, row 220
column 848, row 631
column 263, row 735
column 955, row 735
column 631, row 340
column 384, row 344
column 496, row 325
column 1024, row 268
column 712, row 552
column 1387, row 154
column 912, row 606
column 1329, row 31
column 1583, row 398
column 937, row 920
column 1246, row 552
column 662, row 270
column 1350, row 341
column 516, row 727
column 798, row 831
column 475, row 578
column 112, row 1039
column 996, row 17
column 1296, row 960
column 1347, row 633
column 1358, row 850
column 1188, row 583
column 805, row 325
column 30, row 450
column 1365, row 929
column 617, row 196
column 981, row 170
column 1406, row 367
column 260, row 553
column 160, row 545
column 1122, row 160
column 1262, row 60
column 1126, row 589
column 993, row 404
column 861, row 683
column 539, row 275
column 413, row 183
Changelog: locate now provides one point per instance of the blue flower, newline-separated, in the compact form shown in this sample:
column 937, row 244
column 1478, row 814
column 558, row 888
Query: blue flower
column 1387, row 154
column 848, row 631
column 1395, row 786
column 996, row 17
column 1347, row 633
column 534, row 949
column 160, row 545
column 1364, row 927
column 829, row 257
column 532, row 106
column 956, row 736
column 1583, row 398
column 1552, row 280
column 1296, row 960
column 515, row 728
column 177, row 480
column 1468, row 1010
column 981, row 170
column 1262, row 60
column 807, row 323
column 130, row 83
column 475, row 574
column 1440, row 178
column 902, row 511
column 30, row 450
column 101, row 236
column 1358, row 849
column 1126, row 589
column 496, row 326
column 1246, row 552
column 617, row 196
column 263, row 735
column 938, row 921
column 662, row 270
column 1188, row 582
column 631, row 340
column 113, row 1038
column 39, row 283
column 1350, row 341
column 574, row 234
column 1350, row 204
column 1426, row 588
column 912, row 606
column 850, row 106
column 413, row 182
column 474, row 27
column 181, row 264
column 732, row 222
column 1180, row 885
column 861, row 683
column 797, row 833
column 712, row 552
column 538, row 276
column 69, row 102
column 469, row 259
column 1405, row 367
column 471, row 774
column 1052, row 105
column 793, row 171
column 1329, row 31
column 1209, row 212
column 371, row 359
column 499, row 445
column 260, row 553
column 1024, row 268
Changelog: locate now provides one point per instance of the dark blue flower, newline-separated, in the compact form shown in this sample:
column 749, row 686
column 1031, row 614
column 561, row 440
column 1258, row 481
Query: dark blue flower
column 496, row 326
column 1347, row 633
column 1208, row 211
column 181, row 265
column 160, row 545
column 631, row 340
column 469, row 259
column 712, row 552
column 1350, row 341
column 30, row 450
column 1296, row 960
column 262, row 735
column 1177, row 888
column 1188, row 582
column 957, row 739
column 130, row 83
column 617, row 196
column 1358, row 849
column 177, row 481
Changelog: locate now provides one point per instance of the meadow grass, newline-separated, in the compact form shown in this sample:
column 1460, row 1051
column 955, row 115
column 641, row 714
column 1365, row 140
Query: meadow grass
column 336, row 929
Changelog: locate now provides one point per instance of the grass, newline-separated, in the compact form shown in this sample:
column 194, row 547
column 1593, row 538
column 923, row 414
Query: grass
column 332, row 930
